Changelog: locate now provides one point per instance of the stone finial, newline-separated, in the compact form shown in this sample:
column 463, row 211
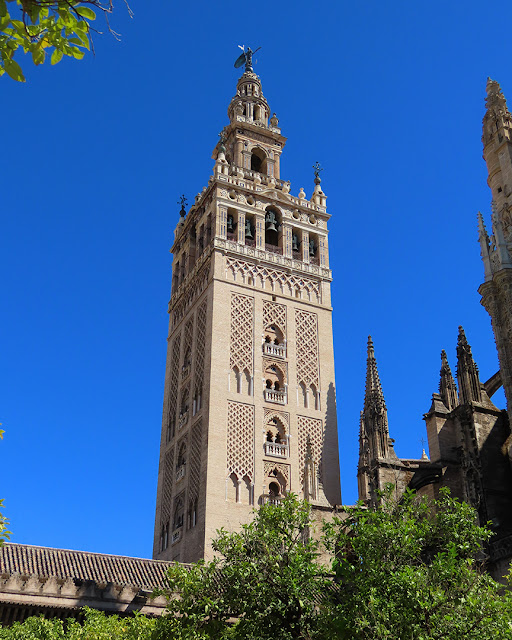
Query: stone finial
column 447, row 387
column 374, row 396
column 495, row 95
column 467, row 372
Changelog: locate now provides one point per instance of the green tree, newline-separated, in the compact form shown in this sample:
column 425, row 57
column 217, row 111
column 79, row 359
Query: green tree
column 409, row 570
column 95, row 626
column 43, row 28
column 265, row 583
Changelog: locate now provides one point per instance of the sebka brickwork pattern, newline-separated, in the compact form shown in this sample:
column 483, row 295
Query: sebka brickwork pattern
column 240, row 440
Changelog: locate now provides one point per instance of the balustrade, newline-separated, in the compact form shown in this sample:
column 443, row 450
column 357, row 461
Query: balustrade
column 271, row 349
column 182, row 420
column 278, row 397
column 276, row 449
column 180, row 473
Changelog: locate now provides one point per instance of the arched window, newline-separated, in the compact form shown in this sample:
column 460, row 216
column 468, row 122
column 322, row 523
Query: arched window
column 179, row 512
column 258, row 160
column 272, row 226
column 232, row 488
column 274, row 489
column 182, row 455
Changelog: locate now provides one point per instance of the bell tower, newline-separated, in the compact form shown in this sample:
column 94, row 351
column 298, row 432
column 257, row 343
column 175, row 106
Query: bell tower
column 249, row 402
column 496, row 291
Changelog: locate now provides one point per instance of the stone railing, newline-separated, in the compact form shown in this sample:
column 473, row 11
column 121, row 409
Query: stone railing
column 276, row 449
column 176, row 536
column 277, row 350
column 278, row 397
column 182, row 420
column 246, row 178
column 271, row 499
column 180, row 473
column 275, row 258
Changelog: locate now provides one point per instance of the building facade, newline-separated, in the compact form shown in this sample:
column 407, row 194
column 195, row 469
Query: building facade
column 469, row 438
column 249, row 402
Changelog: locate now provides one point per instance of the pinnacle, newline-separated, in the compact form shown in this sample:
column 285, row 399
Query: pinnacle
column 373, row 391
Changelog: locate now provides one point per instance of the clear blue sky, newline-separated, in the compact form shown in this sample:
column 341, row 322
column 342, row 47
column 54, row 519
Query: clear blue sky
column 387, row 96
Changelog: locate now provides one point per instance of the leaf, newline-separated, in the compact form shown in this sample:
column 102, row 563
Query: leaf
column 86, row 12
column 38, row 55
column 56, row 56
column 3, row 9
column 13, row 69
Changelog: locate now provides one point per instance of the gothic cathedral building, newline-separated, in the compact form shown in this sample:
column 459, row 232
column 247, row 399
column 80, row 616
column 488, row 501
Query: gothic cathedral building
column 470, row 441
column 249, row 402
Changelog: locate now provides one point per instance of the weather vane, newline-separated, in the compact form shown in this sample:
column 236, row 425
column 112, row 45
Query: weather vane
column 317, row 168
column 183, row 202
column 245, row 57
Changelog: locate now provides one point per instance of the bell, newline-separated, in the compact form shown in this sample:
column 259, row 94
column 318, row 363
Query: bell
column 231, row 224
column 248, row 230
column 295, row 243
column 271, row 221
column 312, row 248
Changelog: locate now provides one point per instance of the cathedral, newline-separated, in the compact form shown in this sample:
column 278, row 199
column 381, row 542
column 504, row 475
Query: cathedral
column 469, row 438
column 249, row 396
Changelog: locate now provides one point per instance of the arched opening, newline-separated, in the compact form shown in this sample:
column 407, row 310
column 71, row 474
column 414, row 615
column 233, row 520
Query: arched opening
column 258, row 160
column 179, row 512
column 246, row 491
column 303, row 395
column 246, row 381
column 314, row 396
column 232, row 488
column 234, row 380
column 274, row 490
column 272, row 228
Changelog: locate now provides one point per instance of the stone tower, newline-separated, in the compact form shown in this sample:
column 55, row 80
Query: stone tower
column 496, row 291
column 249, row 403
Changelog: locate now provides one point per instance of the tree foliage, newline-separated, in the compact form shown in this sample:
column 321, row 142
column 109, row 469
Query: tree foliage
column 46, row 28
column 408, row 570
column 95, row 626
column 413, row 570
column 265, row 583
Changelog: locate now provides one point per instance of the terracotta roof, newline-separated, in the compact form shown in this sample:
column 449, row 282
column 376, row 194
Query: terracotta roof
column 82, row 565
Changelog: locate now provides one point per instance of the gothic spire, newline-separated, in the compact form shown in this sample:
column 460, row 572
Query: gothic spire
column 447, row 387
column 467, row 372
column 373, row 396
column 375, row 417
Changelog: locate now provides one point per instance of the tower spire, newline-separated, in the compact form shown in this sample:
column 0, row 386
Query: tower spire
column 447, row 387
column 467, row 372
column 375, row 416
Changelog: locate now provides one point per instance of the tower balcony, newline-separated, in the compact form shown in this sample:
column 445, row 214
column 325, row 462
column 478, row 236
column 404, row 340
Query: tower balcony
column 276, row 449
column 276, row 350
column 182, row 420
column 180, row 473
column 277, row 397
column 270, row 499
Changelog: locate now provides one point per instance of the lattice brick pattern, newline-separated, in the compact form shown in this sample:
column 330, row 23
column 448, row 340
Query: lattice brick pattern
column 281, row 415
column 199, row 351
column 307, row 347
column 288, row 283
column 173, row 382
column 240, row 440
column 195, row 460
column 167, row 485
column 188, row 335
column 314, row 429
column 190, row 294
column 242, row 332
column 274, row 314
